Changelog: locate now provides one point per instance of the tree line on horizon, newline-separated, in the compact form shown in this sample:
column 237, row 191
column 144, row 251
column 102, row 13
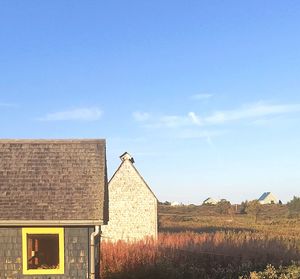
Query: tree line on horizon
column 253, row 208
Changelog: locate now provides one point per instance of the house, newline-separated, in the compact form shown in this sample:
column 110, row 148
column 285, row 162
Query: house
column 132, row 205
column 175, row 203
column 210, row 201
column 53, row 200
column 268, row 198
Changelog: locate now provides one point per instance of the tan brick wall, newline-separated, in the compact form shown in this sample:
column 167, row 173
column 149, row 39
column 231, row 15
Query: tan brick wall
column 132, row 207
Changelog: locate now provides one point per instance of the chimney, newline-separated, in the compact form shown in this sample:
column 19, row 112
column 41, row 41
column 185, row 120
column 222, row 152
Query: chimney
column 126, row 156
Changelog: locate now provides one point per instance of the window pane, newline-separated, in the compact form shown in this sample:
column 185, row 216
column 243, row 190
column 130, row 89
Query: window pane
column 43, row 251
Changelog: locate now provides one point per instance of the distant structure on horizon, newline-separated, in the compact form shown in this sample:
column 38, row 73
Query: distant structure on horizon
column 132, row 205
column 175, row 203
column 268, row 198
column 210, row 201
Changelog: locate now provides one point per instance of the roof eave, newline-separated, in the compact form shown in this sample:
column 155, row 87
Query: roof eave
column 57, row 223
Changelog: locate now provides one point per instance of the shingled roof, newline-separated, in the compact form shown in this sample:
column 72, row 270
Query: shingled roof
column 53, row 182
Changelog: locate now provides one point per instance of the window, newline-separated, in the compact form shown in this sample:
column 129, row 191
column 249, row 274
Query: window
column 43, row 250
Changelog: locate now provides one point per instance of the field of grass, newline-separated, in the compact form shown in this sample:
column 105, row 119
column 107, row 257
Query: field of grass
column 198, row 242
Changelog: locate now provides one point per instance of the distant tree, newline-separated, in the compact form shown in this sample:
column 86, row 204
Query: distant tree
column 254, row 208
column 167, row 203
column 243, row 208
column 192, row 205
column 223, row 207
column 280, row 202
column 208, row 204
column 294, row 206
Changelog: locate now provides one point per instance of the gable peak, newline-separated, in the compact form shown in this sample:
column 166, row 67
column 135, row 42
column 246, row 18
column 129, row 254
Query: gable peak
column 126, row 156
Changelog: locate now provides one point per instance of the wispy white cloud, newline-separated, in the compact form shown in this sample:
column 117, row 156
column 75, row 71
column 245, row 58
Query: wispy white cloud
column 194, row 118
column 203, row 96
column 82, row 114
column 246, row 112
column 173, row 121
column 207, row 127
column 149, row 120
column 140, row 116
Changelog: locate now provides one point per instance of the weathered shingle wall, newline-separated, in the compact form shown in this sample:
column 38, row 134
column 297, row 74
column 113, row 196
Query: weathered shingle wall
column 76, row 254
column 132, row 207
column 53, row 180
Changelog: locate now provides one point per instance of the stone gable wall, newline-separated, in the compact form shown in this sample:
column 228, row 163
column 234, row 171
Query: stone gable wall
column 132, row 207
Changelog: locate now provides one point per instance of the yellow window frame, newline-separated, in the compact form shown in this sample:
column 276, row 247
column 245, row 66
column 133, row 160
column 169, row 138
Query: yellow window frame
column 60, row 232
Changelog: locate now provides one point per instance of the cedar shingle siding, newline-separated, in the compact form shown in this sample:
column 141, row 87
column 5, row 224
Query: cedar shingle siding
column 53, row 180
column 76, row 255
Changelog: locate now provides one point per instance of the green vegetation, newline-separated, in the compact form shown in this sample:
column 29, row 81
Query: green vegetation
column 254, row 208
column 294, row 207
column 291, row 272
column 223, row 207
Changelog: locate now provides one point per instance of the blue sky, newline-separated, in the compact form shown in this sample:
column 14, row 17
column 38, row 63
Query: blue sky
column 204, row 94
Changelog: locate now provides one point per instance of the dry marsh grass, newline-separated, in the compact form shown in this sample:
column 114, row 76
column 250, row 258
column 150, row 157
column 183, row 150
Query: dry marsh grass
column 196, row 242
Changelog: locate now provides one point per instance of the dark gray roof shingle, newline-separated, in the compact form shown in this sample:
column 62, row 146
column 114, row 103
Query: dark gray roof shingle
column 53, row 180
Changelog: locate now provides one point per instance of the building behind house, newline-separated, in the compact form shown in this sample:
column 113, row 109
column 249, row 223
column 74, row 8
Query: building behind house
column 210, row 201
column 175, row 203
column 132, row 205
column 268, row 198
